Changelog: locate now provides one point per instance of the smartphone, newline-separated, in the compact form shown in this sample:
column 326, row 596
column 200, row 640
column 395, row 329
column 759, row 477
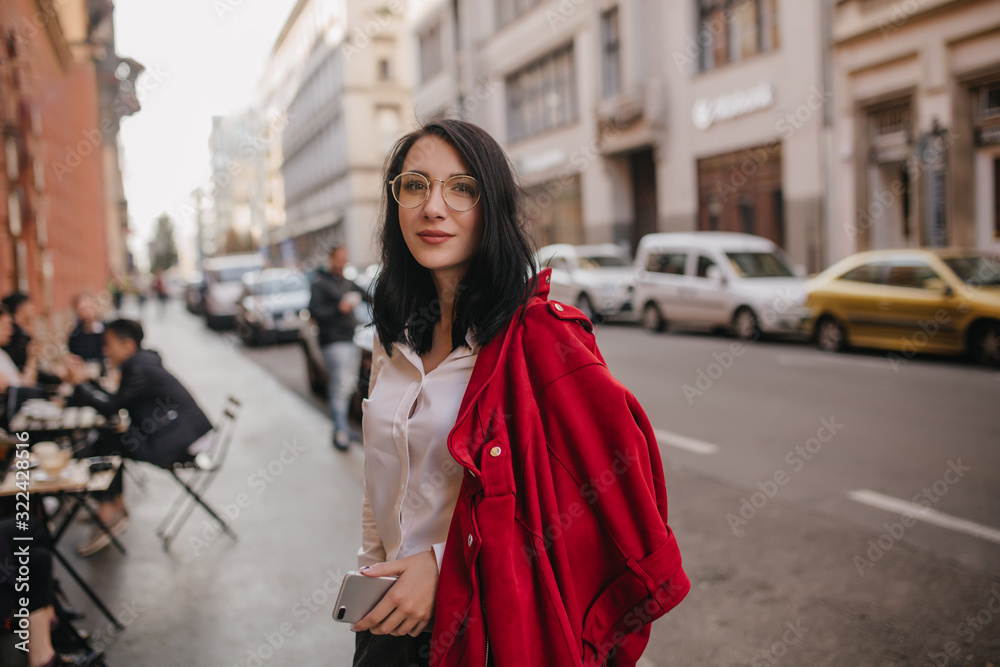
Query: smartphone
column 359, row 595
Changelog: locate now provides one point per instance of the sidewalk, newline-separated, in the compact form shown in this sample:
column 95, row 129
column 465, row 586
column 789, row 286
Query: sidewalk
column 294, row 502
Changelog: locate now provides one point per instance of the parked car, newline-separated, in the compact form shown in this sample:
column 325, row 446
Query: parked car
column 364, row 338
column 274, row 306
column 597, row 279
column 909, row 301
column 718, row 280
column 224, row 286
column 194, row 295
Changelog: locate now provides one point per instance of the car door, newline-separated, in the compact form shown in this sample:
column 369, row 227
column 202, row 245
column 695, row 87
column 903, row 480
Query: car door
column 561, row 286
column 853, row 298
column 707, row 299
column 665, row 274
column 915, row 312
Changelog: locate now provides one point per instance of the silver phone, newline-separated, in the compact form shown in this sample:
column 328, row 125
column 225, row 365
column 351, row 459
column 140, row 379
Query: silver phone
column 359, row 595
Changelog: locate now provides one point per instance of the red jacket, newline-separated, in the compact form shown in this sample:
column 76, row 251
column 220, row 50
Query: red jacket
column 560, row 535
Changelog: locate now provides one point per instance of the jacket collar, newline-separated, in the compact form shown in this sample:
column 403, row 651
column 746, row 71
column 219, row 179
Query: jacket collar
column 486, row 367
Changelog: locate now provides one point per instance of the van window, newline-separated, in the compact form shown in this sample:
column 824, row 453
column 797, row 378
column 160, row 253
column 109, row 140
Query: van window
column 667, row 262
column 759, row 265
column 704, row 263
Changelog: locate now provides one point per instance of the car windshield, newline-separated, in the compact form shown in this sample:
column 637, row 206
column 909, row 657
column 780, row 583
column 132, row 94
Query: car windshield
column 279, row 285
column 759, row 265
column 975, row 270
column 599, row 261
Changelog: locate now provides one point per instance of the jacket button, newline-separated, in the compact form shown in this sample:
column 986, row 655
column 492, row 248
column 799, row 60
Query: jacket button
column 472, row 473
column 495, row 451
column 547, row 279
column 470, row 539
column 557, row 307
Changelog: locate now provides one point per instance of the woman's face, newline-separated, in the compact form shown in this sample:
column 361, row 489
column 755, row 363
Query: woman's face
column 440, row 238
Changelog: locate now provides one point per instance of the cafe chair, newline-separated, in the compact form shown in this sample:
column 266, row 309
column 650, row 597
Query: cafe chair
column 199, row 473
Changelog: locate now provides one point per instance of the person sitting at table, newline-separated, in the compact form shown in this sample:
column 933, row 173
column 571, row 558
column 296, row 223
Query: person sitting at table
column 10, row 374
column 22, row 312
column 87, row 338
column 167, row 426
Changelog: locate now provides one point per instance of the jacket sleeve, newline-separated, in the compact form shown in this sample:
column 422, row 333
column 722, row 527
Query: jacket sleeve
column 322, row 305
column 602, row 446
column 135, row 388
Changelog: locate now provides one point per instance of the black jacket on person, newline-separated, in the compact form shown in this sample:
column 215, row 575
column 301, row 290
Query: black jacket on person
column 324, row 307
column 165, row 418
column 89, row 346
column 17, row 348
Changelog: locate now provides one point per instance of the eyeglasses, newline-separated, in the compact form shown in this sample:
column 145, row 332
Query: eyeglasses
column 410, row 189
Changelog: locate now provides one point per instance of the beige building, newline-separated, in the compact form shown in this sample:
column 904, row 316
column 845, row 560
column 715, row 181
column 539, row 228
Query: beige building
column 351, row 102
column 625, row 117
column 917, row 124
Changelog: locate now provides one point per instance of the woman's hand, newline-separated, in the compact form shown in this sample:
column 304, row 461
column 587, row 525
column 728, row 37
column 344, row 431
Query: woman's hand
column 408, row 607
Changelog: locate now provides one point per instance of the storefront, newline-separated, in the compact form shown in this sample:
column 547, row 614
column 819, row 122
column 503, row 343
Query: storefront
column 741, row 192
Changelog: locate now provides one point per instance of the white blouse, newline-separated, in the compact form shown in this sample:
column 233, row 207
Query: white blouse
column 411, row 480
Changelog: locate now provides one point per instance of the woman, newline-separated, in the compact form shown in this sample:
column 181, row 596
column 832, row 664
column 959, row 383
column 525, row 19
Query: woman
column 512, row 485
column 10, row 374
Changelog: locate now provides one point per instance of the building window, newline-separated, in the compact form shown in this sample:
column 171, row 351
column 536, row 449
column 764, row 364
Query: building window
column 542, row 96
column 611, row 52
column 508, row 10
column 384, row 70
column 431, row 61
column 989, row 105
column 996, row 198
column 732, row 30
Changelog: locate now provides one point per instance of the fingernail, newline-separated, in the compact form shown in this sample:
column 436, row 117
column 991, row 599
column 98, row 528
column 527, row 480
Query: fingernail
column 366, row 568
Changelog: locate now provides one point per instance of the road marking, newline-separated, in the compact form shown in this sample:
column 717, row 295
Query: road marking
column 683, row 442
column 925, row 514
column 803, row 361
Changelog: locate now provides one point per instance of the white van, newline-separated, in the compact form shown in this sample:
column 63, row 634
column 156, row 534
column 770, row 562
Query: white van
column 718, row 280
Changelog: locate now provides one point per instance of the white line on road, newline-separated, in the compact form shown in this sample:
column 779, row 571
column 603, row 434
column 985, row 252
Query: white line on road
column 804, row 361
column 683, row 442
column 925, row 514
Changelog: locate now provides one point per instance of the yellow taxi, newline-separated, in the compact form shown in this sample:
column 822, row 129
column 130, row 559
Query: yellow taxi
column 909, row 302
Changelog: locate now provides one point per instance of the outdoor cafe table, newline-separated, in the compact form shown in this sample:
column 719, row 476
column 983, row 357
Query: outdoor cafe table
column 74, row 486
column 67, row 421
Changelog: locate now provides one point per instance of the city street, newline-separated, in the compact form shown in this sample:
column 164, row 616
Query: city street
column 767, row 448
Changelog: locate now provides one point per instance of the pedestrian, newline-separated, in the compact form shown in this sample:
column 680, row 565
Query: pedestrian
column 512, row 484
column 160, row 287
column 167, row 426
column 331, row 305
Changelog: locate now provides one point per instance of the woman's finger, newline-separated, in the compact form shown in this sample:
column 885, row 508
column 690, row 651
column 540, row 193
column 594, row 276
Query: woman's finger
column 389, row 625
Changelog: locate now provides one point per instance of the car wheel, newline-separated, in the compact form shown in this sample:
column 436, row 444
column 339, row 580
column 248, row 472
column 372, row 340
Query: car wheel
column 583, row 303
column 745, row 324
column 985, row 343
column 652, row 320
column 830, row 335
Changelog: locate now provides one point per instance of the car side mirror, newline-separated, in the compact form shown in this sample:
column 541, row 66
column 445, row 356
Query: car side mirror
column 715, row 274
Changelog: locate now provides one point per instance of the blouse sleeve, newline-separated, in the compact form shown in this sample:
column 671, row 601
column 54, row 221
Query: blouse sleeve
column 372, row 550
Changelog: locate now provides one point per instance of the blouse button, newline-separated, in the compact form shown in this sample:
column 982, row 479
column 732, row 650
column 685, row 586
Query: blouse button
column 495, row 452
column 557, row 307
column 470, row 539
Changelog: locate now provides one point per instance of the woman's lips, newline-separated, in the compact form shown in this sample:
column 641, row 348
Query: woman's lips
column 435, row 238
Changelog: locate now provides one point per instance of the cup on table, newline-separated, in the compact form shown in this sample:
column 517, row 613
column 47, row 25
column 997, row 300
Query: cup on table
column 51, row 458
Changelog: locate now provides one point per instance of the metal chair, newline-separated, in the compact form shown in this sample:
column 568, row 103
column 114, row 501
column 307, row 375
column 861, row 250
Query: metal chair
column 203, row 469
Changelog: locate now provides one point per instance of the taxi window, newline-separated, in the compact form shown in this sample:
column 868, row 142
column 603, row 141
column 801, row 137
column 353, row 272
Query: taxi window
column 909, row 273
column 866, row 273
column 667, row 262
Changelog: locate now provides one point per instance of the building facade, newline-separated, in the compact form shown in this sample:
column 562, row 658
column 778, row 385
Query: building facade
column 352, row 102
column 625, row 117
column 62, row 215
column 917, row 128
column 238, row 146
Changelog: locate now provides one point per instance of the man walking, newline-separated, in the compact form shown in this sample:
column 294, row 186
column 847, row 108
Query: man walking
column 332, row 306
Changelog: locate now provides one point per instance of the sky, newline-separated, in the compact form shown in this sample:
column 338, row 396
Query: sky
column 203, row 58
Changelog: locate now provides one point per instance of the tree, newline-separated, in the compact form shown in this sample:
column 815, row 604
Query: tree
column 163, row 250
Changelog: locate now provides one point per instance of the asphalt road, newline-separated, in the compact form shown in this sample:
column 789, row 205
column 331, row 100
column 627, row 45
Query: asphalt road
column 831, row 509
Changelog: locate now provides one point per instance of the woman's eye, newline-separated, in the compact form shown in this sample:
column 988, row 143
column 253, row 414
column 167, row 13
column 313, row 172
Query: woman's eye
column 415, row 186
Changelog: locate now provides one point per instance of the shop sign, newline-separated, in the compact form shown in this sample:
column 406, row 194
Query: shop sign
column 706, row 112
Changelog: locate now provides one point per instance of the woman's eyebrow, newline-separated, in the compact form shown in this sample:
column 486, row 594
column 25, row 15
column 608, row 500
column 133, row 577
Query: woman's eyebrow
column 427, row 176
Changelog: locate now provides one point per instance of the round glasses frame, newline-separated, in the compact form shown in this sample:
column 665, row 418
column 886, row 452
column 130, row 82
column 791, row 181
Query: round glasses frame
column 427, row 193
